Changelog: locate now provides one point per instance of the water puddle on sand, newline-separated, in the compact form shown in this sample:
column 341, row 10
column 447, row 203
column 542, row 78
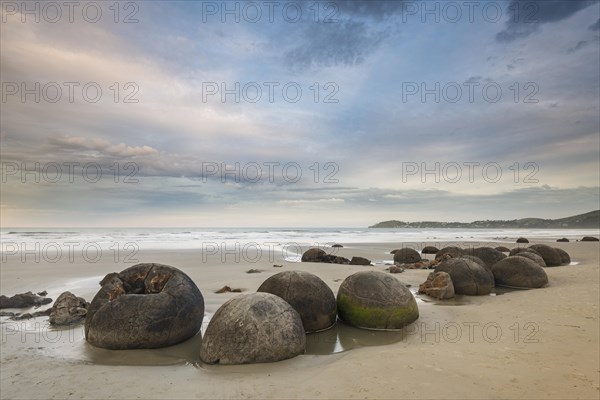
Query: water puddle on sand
column 39, row 337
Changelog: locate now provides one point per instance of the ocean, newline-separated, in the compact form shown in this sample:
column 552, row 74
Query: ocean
column 291, row 241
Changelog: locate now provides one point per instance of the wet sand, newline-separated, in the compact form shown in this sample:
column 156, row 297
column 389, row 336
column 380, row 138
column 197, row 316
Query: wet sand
column 541, row 343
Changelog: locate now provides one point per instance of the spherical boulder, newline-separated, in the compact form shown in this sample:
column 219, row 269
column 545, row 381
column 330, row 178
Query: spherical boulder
column 375, row 300
column 590, row 239
column 549, row 254
column 522, row 240
column 532, row 256
column 253, row 328
column 429, row 250
column 307, row 294
column 503, row 249
column 144, row 306
column 356, row 260
column 565, row 240
column 565, row 258
column 313, row 255
column 490, row 256
column 483, row 264
column 407, row 255
column 520, row 272
column 467, row 276
column 518, row 250
column 454, row 251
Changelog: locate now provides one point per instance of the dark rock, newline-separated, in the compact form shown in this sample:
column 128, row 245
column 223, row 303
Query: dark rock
column 453, row 251
column 43, row 313
column 490, row 256
column 7, row 314
column 307, row 294
column 396, row 270
column 337, row 245
column 522, row 240
column 438, row 285
column 227, row 289
column 277, row 266
column 503, row 249
column 253, row 328
column 375, row 300
column 109, row 277
column 254, row 271
column 144, row 306
column 563, row 240
column 565, row 258
column 429, row 250
column 44, row 293
column 518, row 250
column 23, row 300
column 394, row 251
column 590, row 239
column 483, row 264
column 68, row 309
column 407, row 255
column 318, row 255
column 532, row 256
column 521, row 272
column 360, row 261
column 313, row 255
column 549, row 254
column 467, row 276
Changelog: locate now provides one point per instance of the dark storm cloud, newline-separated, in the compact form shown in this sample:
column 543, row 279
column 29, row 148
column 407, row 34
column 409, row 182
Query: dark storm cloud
column 375, row 9
column 531, row 14
column 345, row 43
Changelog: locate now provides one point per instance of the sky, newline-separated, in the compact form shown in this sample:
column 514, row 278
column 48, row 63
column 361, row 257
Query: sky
column 297, row 113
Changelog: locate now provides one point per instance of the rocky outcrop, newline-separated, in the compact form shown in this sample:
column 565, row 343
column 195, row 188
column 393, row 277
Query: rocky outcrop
column 24, row 300
column 438, row 285
column 68, row 309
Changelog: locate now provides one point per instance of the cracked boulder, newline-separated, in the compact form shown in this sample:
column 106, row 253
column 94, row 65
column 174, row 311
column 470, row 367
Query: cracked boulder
column 144, row 306
column 253, row 328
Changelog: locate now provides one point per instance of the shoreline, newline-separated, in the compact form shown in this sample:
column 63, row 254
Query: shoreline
column 504, row 346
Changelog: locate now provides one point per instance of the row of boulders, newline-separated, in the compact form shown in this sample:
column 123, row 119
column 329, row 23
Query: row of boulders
column 476, row 271
column 584, row 239
column 271, row 325
column 154, row 305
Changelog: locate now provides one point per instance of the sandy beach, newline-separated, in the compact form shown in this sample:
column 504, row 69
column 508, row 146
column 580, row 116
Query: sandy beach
column 541, row 343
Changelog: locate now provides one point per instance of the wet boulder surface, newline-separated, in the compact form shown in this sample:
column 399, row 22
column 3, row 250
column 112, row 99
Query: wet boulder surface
column 144, row 306
column 253, row 328
column 307, row 294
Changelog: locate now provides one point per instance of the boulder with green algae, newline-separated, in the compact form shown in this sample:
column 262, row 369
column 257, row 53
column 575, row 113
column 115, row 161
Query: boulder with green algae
column 375, row 300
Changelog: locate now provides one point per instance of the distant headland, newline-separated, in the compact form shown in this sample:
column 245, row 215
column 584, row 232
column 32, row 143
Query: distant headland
column 581, row 221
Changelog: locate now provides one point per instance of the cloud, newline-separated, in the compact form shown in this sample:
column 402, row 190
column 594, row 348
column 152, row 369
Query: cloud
column 101, row 146
column 531, row 14
column 595, row 26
